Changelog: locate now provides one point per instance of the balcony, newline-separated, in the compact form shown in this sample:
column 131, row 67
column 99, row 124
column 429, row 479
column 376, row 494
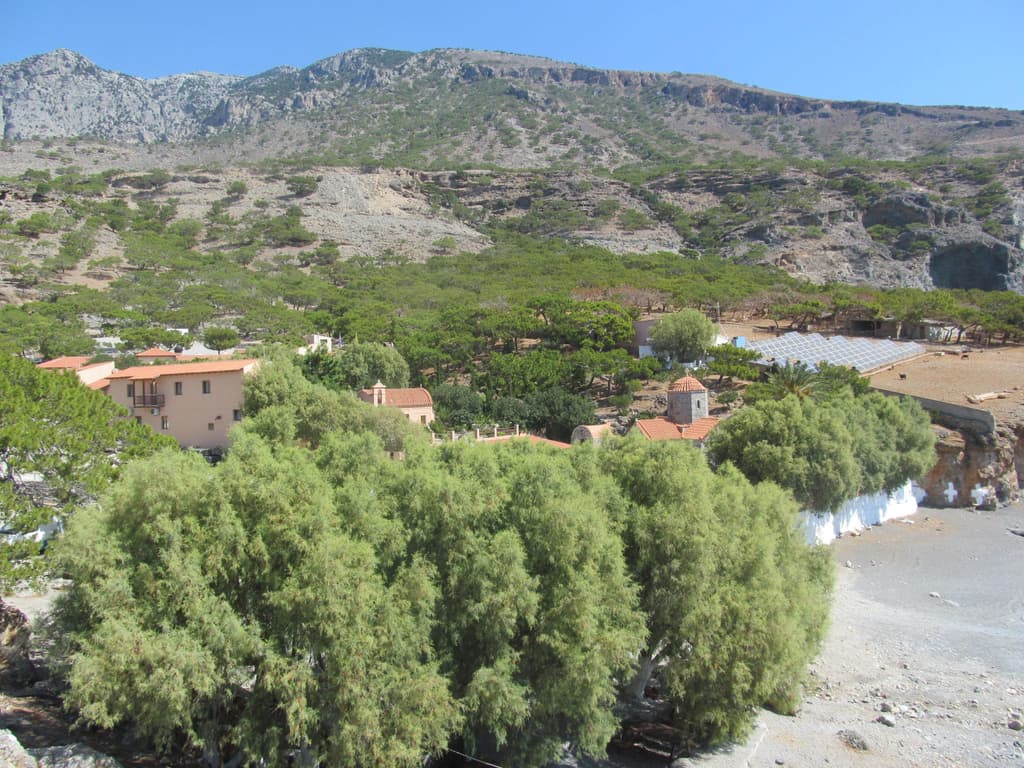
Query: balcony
column 148, row 401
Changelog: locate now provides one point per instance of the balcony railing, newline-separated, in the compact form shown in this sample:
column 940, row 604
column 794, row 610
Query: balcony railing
column 148, row 401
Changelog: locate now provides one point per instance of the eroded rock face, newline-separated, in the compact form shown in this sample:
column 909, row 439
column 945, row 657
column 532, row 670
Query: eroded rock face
column 62, row 93
column 967, row 460
column 912, row 209
column 985, row 264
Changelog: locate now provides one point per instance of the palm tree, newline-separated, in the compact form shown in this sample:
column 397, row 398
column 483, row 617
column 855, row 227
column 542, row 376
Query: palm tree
column 792, row 379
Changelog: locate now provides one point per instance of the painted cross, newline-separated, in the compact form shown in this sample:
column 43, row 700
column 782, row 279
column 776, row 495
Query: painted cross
column 950, row 493
column 979, row 494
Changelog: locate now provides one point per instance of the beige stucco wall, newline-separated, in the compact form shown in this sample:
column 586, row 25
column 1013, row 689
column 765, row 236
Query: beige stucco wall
column 91, row 373
column 419, row 415
column 190, row 414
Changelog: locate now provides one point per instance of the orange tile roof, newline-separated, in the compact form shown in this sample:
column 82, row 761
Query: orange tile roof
column 66, row 363
column 532, row 439
column 156, row 352
column 401, row 397
column 658, row 429
column 99, row 384
column 700, row 429
column 687, row 384
column 184, row 369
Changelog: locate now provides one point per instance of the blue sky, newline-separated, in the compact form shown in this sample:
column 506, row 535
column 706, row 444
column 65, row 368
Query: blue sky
column 910, row 51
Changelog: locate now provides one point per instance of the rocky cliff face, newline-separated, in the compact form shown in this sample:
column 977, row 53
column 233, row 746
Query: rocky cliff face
column 968, row 460
column 64, row 94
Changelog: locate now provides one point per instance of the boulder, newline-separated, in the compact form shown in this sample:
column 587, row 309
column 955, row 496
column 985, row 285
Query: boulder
column 12, row 754
column 72, row 756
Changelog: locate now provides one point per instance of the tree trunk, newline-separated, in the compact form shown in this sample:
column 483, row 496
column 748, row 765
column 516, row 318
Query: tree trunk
column 646, row 664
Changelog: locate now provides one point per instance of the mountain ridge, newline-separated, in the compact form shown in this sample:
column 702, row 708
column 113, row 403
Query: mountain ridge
column 374, row 103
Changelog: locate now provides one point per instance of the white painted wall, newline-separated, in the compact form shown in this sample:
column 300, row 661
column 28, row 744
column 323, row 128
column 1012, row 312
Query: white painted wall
column 858, row 514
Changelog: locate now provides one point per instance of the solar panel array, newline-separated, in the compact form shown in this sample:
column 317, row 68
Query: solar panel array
column 813, row 348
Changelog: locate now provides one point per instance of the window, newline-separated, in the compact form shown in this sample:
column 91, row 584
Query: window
column 206, row 386
column 209, row 426
column 163, row 422
column 423, row 418
column 131, row 389
column 237, row 414
column 177, row 387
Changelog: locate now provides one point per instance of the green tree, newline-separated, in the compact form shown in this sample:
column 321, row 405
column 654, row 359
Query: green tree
column 731, row 362
column 684, row 336
column 219, row 338
column 798, row 444
column 537, row 618
column 61, row 440
column 302, row 186
column 358, row 365
column 237, row 189
column 828, row 451
column 137, row 338
column 558, row 412
column 230, row 610
column 458, row 406
column 30, row 328
column 736, row 604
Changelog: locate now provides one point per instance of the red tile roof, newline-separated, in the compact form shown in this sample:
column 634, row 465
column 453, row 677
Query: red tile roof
column 401, row 397
column 184, row 369
column 658, row 429
column 99, row 384
column 67, row 363
column 663, row 429
column 700, row 429
column 687, row 384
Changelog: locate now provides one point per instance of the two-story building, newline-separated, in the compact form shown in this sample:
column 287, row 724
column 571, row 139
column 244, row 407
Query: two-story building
column 195, row 403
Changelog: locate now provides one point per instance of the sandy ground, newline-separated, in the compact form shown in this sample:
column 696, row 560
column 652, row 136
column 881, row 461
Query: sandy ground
column 927, row 631
column 950, row 376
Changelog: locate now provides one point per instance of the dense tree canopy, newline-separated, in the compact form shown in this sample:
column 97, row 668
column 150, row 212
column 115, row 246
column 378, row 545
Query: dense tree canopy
column 359, row 365
column 736, row 603
column 311, row 596
column 828, row 450
column 219, row 338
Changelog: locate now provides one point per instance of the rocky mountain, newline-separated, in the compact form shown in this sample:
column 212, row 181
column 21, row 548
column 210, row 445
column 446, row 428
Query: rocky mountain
column 413, row 149
column 447, row 108
column 64, row 94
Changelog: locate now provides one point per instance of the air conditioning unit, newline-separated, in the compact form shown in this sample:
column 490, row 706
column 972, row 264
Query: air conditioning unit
column 154, row 411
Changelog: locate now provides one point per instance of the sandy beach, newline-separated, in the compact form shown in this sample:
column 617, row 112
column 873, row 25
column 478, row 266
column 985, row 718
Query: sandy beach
column 924, row 661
